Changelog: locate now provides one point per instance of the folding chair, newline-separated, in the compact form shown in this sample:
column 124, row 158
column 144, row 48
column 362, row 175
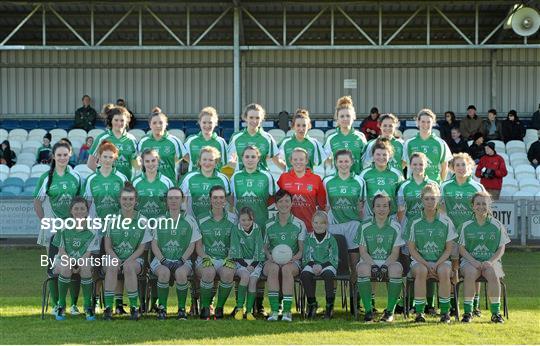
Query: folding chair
column 45, row 292
column 482, row 279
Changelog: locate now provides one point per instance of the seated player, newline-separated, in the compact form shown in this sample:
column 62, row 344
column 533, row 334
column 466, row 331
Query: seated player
column 247, row 251
column 320, row 259
column 379, row 243
column 430, row 242
column 482, row 242
column 172, row 246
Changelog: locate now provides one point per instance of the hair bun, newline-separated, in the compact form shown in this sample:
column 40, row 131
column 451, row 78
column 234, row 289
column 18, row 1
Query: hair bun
column 108, row 107
column 344, row 102
column 156, row 110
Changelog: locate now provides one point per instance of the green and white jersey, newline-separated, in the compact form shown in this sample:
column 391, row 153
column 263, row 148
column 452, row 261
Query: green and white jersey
column 342, row 195
column 396, row 161
column 195, row 143
column 355, row 141
column 436, row 150
column 482, row 241
column 104, row 192
column 458, row 199
column 430, row 237
column 174, row 239
column 289, row 234
column 262, row 140
column 78, row 242
column 216, row 234
column 253, row 190
column 169, row 148
column 125, row 241
column 320, row 252
column 127, row 147
column 408, row 196
column 196, row 188
column 385, row 182
column 317, row 155
column 152, row 195
column 57, row 200
column 247, row 246
column 379, row 241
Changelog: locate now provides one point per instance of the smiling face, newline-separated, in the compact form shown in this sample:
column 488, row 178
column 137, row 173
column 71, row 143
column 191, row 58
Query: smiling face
column 461, row 168
column 299, row 161
column 150, row 163
column 344, row 163
column 119, row 122
column 418, row 166
column 207, row 161
column 207, row 124
column 381, row 157
column 301, row 126
column 79, row 210
column 430, row 201
column 218, row 199
column 128, row 200
column 61, row 157
column 387, row 127
column 320, row 224
column 174, row 200
column 254, row 119
column 107, row 158
column 284, row 205
column 250, row 159
column 246, row 221
column 158, row 124
column 345, row 118
column 481, row 205
column 425, row 123
column 381, row 207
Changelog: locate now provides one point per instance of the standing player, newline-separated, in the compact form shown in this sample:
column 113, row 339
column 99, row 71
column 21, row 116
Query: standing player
column 168, row 147
column 196, row 185
column 286, row 229
column 208, row 120
column 117, row 120
column 379, row 241
column 346, row 137
column 301, row 124
column 247, row 251
column 430, row 243
column 482, row 242
column 388, row 123
column 436, row 149
column 213, row 251
column 254, row 135
column 173, row 245
column 52, row 198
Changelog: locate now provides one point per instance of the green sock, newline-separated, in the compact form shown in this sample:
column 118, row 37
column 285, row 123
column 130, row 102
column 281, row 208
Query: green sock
column 53, row 289
column 74, row 291
column 163, row 293
column 495, row 307
column 419, row 305
column 444, row 304
column 223, row 293
column 287, row 303
column 364, row 289
column 250, row 301
column 241, row 298
column 273, row 297
column 476, row 301
column 87, row 292
column 118, row 299
column 394, row 290
column 63, row 286
column 133, row 299
column 452, row 302
column 206, row 293
column 181, row 294
column 467, row 306
column 430, row 294
column 109, row 299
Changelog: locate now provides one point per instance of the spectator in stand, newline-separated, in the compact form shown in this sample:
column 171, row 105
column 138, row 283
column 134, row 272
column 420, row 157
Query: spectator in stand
column 85, row 117
column 122, row 103
column 471, row 124
column 446, row 126
column 491, row 170
column 492, row 127
column 534, row 152
column 476, row 150
column 513, row 129
column 535, row 119
column 370, row 125
column 457, row 144
column 7, row 156
column 44, row 152
column 85, row 150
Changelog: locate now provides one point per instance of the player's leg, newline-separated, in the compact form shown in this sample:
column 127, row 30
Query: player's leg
column 395, row 283
column 252, row 292
column 243, row 275
column 444, row 272
column 308, row 282
column 491, row 274
column 111, row 278
column 74, row 291
column 86, row 282
column 226, row 277
column 288, row 272
column 476, row 301
column 182, row 285
column 329, row 276
column 131, row 270
column 363, row 284
column 470, row 274
column 207, row 275
column 163, row 277
column 52, row 251
column 64, row 282
column 119, row 298
column 419, row 272
column 271, row 270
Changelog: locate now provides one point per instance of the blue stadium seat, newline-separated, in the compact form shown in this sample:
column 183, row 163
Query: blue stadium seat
column 30, row 184
column 47, row 124
column 10, row 124
column 12, row 189
column 7, row 194
column 176, row 124
column 141, row 124
column 65, row 124
column 27, row 193
column 227, row 132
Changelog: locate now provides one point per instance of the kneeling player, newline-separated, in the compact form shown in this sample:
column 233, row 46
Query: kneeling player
column 380, row 242
column 430, row 244
column 172, row 246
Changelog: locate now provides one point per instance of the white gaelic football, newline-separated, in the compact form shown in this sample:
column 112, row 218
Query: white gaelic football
column 282, row 254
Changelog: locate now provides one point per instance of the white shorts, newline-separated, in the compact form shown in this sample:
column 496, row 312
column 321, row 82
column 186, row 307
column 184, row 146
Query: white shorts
column 297, row 263
column 256, row 273
column 155, row 264
column 218, row 263
column 378, row 263
column 497, row 266
column 310, row 269
column 348, row 230
column 413, row 263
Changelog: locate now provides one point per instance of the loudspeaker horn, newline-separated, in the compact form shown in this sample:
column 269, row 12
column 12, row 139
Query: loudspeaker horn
column 526, row 21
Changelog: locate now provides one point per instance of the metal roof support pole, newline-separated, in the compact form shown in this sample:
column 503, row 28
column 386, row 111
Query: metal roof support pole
column 165, row 26
column 308, row 26
column 188, row 25
column 493, row 68
column 261, row 26
column 140, row 26
column 43, row 26
column 380, row 24
column 428, row 26
column 476, row 23
column 403, row 26
column 115, row 26
column 236, row 69
column 14, row 31
column 332, row 25
column 92, row 36
column 68, row 26
column 211, row 26
column 284, row 25
column 498, row 26
column 454, row 26
column 357, row 27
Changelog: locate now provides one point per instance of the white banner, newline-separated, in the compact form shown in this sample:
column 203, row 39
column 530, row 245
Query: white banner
column 534, row 226
column 506, row 213
column 18, row 218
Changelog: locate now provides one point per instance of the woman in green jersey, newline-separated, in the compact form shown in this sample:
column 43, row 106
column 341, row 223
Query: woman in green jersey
column 208, row 120
column 430, row 241
column 152, row 185
column 286, row 229
column 169, row 148
column 117, row 120
column 346, row 137
column 125, row 242
column 75, row 244
column 247, row 251
column 173, row 245
column 482, row 243
column 388, row 123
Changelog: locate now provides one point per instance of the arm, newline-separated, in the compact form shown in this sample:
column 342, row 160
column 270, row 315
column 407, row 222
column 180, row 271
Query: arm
column 394, row 255
column 501, row 172
column 446, row 254
column 200, row 249
column 279, row 162
column 479, row 167
column 365, row 255
column 298, row 255
column 156, row 251
column 444, row 170
column 109, row 249
column 92, row 162
column 497, row 255
column 189, row 251
column 138, row 253
column 38, row 207
column 465, row 254
column 415, row 254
